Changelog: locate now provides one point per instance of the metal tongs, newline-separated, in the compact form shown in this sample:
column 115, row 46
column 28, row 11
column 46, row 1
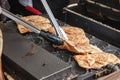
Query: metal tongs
column 58, row 29
column 50, row 37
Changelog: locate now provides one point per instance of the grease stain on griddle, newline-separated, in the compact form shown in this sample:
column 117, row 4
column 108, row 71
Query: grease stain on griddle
column 43, row 65
column 30, row 51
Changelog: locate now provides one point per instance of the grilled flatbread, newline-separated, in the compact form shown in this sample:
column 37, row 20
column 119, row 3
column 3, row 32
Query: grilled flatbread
column 77, row 41
column 38, row 21
column 74, row 34
column 1, row 47
column 97, row 60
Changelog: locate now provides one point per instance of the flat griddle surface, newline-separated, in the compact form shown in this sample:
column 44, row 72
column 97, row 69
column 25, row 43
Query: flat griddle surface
column 24, row 57
column 30, row 59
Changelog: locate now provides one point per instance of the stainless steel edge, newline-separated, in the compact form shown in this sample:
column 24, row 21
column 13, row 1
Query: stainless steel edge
column 19, row 20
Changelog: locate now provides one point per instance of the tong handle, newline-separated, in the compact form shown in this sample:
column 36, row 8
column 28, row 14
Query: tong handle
column 51, row 37
column 58, row 29
column 19, row 20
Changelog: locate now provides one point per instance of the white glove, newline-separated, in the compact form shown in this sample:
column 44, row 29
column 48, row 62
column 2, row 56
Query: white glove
column 26, row 2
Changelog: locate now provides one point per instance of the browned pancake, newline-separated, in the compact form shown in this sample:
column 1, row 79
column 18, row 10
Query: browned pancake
column 74, row 34
column 96, row 60
column 38, row 21
column 77, row 41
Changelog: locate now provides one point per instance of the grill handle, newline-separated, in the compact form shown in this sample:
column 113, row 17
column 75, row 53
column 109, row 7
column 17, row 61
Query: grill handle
column 51, row 37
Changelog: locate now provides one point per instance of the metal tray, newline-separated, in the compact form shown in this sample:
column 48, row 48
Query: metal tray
column 111, row 3
column 92, row 26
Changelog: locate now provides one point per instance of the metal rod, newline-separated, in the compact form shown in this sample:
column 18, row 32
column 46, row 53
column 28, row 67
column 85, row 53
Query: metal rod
column 19, row 20
column 58, row 29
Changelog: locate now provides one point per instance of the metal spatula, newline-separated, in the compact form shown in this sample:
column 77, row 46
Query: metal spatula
column 48, row 36
column 58, row 29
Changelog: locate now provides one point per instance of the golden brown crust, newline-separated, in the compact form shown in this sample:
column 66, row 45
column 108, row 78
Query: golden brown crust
column 38, row 21
column 74, row 34
column 68, row 45
column 96, row 60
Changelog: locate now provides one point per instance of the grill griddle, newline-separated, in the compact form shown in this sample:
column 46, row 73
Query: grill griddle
column 19, row 60
column 68, row 56
column 27, row 60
